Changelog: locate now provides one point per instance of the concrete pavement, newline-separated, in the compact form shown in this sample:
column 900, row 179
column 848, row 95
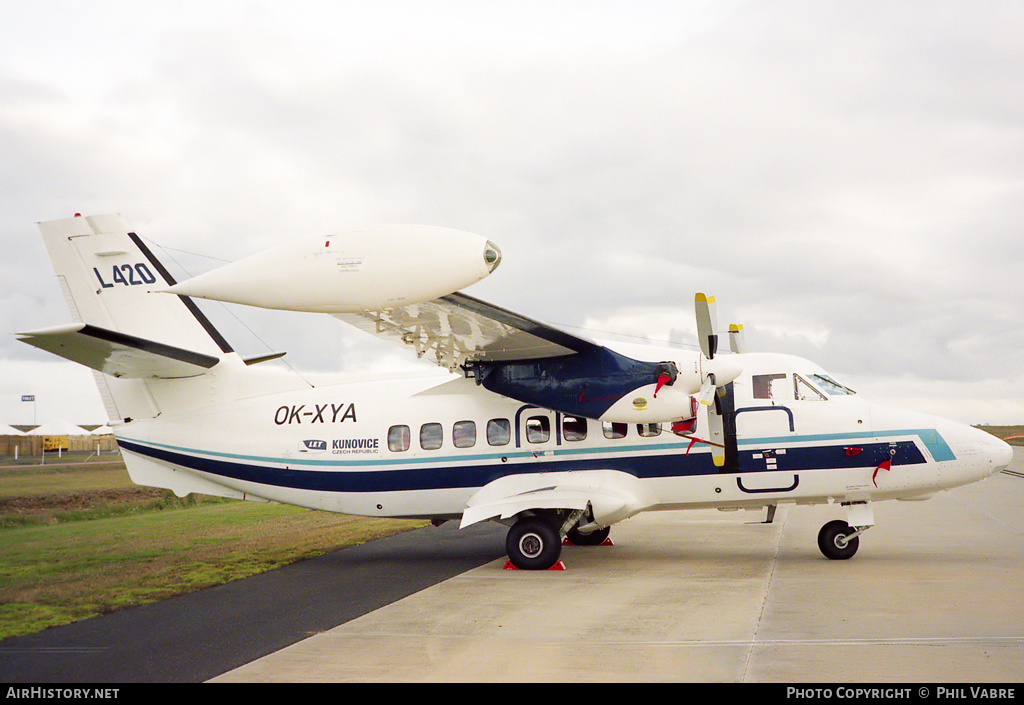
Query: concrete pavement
column 935, row 594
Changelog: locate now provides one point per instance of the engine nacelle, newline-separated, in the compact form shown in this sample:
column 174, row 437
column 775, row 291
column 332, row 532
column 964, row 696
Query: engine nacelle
column 606, row 385
column 649, row 404
column 368, row 269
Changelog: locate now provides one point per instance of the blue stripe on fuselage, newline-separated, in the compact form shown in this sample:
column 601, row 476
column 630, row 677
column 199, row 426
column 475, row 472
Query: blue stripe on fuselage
column 641, row 461
column 930, row 437
column 429, row 474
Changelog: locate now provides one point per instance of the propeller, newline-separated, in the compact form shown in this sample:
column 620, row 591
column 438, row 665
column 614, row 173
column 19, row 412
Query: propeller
column 707, row 324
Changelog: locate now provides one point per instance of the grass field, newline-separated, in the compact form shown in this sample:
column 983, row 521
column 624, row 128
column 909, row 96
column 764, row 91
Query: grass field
column 1014, row 435
column 79, row 539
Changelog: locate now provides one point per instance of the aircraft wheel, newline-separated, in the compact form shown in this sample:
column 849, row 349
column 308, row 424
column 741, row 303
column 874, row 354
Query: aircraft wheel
column 594, row 538
column 833, row 542
column 533, row 544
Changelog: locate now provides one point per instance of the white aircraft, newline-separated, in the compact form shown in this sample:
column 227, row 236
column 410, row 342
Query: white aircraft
column 549, row 433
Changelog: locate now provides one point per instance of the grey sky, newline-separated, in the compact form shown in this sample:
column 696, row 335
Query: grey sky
column 845, row 177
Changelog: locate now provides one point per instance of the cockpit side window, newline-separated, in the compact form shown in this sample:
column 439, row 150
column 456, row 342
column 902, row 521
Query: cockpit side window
column 804, row 391
column 768, row 386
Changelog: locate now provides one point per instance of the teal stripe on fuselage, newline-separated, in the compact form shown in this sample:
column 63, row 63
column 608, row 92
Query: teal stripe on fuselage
column 931, row 438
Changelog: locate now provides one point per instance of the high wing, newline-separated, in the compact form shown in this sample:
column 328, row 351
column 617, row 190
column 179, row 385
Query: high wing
column 458, row 328
column 539, row 364
column 382, row 285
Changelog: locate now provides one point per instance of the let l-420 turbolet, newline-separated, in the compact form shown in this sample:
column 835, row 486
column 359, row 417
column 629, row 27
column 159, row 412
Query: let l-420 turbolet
column 552, row 434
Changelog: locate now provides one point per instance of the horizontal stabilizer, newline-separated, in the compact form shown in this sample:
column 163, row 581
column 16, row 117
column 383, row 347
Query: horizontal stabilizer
column 118, row 354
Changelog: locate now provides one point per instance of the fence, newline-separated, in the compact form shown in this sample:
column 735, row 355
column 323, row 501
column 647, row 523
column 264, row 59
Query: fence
column 29, row 446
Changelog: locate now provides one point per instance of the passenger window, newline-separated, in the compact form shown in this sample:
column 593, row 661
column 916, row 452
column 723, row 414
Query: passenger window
column 430, row 436
column 464, row 434
column 648, row 429
column 803, row 390
column 574, row 428
column 499, row 432
column 768, row 386
column 398, row 438
column 538, row 429
column 614, row 430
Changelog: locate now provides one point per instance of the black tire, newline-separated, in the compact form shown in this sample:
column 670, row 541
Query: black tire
column 594, row 538
column 533, row 543
column 830, row 541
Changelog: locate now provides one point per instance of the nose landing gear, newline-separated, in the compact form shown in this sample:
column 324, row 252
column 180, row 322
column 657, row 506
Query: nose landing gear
column 838, row 540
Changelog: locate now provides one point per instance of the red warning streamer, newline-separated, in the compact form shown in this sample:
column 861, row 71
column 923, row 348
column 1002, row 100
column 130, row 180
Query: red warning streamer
column 885, row 465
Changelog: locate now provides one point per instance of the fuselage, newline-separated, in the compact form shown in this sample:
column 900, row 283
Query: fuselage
column 422, row 448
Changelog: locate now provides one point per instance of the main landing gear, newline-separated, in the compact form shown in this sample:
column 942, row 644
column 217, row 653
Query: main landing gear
column 535, row 541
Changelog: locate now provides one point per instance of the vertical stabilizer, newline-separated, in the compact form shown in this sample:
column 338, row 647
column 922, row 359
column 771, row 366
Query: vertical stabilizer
column 139, row 339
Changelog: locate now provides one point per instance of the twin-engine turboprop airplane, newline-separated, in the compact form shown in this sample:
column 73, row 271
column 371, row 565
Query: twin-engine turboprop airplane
column 546, row 432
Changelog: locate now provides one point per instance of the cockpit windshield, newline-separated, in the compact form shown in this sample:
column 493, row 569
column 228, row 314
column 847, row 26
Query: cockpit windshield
column 783, row 386
column 830, row 386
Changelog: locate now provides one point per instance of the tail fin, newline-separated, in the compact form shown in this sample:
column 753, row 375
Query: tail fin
column 136, row 338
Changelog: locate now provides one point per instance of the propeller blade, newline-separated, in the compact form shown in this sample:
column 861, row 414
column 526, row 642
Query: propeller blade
column 716, row 433
column 707, row 324
column 737, row 343
column 706, row 395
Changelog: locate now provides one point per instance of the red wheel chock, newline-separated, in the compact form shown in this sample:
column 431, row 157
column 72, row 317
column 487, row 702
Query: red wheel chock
column 559, row 565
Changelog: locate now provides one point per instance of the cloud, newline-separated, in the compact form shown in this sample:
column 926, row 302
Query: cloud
column 845, row 178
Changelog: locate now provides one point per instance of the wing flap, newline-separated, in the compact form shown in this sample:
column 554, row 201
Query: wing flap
column 118, row 354
column 458, row 328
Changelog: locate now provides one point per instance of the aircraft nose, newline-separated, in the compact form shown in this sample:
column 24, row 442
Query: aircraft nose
column 1000, row 453
column 995, row 453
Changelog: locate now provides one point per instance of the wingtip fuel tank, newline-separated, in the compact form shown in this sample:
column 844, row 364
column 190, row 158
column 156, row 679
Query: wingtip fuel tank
column 368, row 269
